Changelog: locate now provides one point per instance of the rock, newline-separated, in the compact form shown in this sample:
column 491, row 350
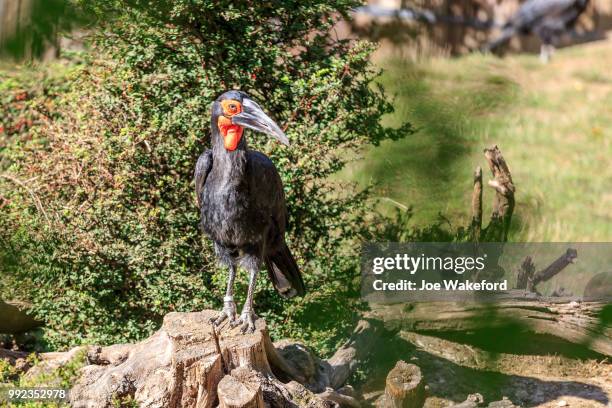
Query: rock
column 504, row 403
column 19, row 362
column 562, row 403
column 300, row 357
column 599, row 287
column 51, row 362
column 472, row 401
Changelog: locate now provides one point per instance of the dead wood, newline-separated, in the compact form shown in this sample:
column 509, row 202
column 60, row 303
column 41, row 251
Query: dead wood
column 551, row 270
column 503, row 202
column 15, row 318
column 477, row 205
column 525, row 273
column 182, row 365
column 241, row 389
column 18, row 359
column 568, row 319
column 405, row 388
column 340, row 398
column 187, row 364
column 472, row 401
column 528, row 279
column 352, row 353
column 476, row 400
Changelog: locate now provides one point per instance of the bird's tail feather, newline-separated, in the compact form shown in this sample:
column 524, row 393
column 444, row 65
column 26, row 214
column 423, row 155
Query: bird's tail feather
column 284, row 273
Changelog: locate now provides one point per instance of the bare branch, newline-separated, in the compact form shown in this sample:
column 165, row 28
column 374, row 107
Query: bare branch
column 477, row 204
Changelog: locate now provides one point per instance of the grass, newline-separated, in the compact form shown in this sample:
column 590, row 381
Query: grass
column 553, row 123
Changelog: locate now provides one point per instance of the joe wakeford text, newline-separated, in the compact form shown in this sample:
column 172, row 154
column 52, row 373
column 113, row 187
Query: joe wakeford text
column 414, row 264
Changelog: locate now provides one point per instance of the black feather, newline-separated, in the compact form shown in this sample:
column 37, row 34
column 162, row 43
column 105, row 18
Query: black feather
column 284, row 273
column 243, row 209
column 548, row 19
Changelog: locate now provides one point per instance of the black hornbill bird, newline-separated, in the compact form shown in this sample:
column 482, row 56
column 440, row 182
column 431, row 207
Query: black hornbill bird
column 548, row 19
column 242, row 204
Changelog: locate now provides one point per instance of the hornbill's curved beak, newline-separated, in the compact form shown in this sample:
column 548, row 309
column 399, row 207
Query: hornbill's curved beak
column 253, row 117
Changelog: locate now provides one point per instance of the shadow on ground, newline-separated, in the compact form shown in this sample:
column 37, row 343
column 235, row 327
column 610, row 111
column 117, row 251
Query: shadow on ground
column 450, row 381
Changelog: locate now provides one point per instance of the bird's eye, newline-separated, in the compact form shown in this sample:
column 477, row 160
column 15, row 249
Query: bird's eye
column 231, row 107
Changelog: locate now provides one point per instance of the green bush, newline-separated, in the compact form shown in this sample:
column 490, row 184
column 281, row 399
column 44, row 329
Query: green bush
column 104, row 228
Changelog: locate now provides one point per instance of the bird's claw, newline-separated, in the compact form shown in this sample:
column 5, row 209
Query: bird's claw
column 246, row 321
column 227, row 313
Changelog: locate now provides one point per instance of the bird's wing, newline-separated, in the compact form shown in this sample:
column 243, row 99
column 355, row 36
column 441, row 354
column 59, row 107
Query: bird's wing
column 534, row 10
column 202, row 169
column 269, row 194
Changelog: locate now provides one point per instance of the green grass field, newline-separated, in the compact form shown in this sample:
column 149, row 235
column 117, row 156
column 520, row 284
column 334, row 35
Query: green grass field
column 553, row 123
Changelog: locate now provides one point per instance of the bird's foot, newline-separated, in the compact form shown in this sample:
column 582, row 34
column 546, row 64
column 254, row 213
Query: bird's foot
column 227, row 313
column 246, row 321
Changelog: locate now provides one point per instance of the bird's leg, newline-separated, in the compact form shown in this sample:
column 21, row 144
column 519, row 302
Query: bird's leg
column 546, row 52
column 247, row 316
column 229, row 306
column 543, row 56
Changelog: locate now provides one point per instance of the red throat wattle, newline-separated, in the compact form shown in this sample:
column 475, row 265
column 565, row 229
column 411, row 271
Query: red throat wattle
column 231, row 133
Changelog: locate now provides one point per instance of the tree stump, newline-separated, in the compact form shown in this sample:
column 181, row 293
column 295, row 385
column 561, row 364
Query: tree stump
column 187, row 364
column 405, row 387
column 241, row 389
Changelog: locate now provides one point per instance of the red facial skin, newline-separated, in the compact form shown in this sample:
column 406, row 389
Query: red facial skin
column 231, row 133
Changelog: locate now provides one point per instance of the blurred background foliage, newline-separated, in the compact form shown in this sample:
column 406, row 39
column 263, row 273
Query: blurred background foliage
column 32, row 28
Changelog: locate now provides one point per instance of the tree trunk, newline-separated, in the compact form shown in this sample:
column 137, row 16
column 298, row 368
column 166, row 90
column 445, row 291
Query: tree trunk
column 581, row 323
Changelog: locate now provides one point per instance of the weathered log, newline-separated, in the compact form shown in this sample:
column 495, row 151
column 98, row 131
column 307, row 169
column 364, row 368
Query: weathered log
column 576, row 322
column 527, row 278
column 404, row 388
column 551, row 270
column 15, row 318
column 12, row 356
